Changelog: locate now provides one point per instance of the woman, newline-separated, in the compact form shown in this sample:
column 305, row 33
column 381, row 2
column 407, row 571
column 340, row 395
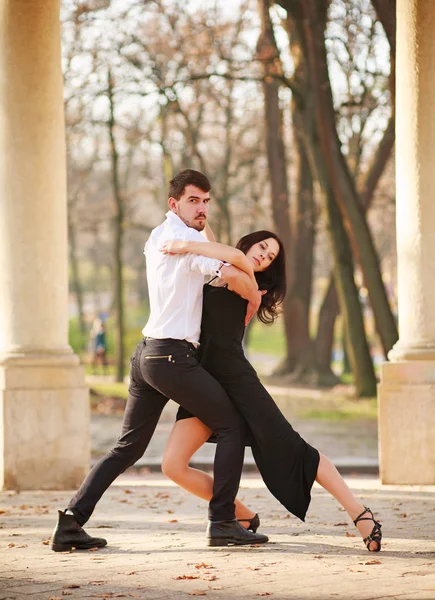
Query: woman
column 286, row 462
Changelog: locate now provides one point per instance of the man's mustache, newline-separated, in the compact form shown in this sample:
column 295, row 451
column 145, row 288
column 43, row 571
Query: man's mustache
column 202, row 216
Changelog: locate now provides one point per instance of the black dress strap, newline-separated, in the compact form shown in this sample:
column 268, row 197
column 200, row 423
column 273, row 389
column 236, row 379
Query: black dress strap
column 217, row 286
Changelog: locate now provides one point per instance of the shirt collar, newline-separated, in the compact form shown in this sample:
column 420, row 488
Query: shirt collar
column 175, row 219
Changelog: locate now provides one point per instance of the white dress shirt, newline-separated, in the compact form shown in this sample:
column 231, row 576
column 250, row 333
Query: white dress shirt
column 175, row 283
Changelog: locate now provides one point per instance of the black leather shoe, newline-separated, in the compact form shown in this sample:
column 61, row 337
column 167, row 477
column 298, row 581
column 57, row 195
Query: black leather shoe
column 231, row 533
column 68, row 534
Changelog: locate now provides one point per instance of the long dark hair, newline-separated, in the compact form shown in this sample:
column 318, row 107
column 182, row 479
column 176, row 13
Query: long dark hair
column 273, row 279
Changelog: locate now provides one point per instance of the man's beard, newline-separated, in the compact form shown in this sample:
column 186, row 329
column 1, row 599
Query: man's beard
column 198, row 225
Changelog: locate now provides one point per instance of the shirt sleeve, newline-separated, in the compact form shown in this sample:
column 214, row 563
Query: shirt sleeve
column 204, row 265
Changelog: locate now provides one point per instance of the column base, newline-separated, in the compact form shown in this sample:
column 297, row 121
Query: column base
column 406, row 403
column 44, row 423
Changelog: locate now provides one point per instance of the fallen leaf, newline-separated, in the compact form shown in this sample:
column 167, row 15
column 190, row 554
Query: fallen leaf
column 194, row 576
column 96, row 582
column 403, row 515
column 127, row 491
column 203, row 565
column 208, row 577
column 71, row 586
column 11, row 545
column 170, row 512
column 46, row 542
column 215, row 587
column 350, row 534
column 374, row 561
column 341, row 524
column 173, row 521
column 197, row 593
column 93, row 549
column 128, row 573
column 253, row 568
column 65, row 593
column 264, row 594
column 55, row 598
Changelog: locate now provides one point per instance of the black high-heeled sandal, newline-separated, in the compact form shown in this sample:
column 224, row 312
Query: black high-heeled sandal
column 376, row 533
column 254, row 523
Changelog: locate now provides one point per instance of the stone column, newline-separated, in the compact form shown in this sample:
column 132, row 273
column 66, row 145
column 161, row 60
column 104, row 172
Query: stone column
column 44, row 407
column 407, row 390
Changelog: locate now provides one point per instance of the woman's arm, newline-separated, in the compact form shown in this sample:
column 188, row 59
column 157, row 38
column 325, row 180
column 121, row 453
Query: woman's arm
column 211, row 250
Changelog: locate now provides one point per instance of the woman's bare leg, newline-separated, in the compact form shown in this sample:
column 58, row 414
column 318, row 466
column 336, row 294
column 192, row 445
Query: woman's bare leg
column 331, row 480
column 187, row 436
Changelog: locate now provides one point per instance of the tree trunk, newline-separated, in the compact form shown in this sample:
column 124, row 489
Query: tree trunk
column 303, row 235
column 340, row 180
column 347, row 292
column 118, row 232
column 75, row 282
column 329, row 311
column 298, row 240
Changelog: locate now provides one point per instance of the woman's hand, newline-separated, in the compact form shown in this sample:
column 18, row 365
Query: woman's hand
column 175, row 247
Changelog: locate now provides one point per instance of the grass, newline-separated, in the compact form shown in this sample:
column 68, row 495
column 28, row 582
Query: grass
column 326, row 408
column 110, row 390
column 341, row 409
column 267, row 339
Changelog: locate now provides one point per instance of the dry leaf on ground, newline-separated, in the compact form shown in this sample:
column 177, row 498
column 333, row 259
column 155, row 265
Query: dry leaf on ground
column 71, row 586
column 197, row 593
column 203, row 565
column 194, row 576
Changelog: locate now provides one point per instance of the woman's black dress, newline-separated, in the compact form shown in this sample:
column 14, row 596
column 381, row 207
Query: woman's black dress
column 288, row 465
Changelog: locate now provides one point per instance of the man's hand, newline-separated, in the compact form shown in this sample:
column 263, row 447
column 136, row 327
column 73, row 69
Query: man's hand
column 253, row 305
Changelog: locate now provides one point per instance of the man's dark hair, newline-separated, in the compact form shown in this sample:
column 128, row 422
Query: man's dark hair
column 178, row 184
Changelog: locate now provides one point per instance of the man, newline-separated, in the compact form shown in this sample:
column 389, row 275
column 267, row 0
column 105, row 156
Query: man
column 165, row 366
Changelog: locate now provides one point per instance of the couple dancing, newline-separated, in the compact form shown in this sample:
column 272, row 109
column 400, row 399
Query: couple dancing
column 200, row 364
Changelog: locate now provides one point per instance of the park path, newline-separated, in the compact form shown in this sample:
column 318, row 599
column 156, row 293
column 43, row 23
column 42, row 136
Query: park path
column 157, row 547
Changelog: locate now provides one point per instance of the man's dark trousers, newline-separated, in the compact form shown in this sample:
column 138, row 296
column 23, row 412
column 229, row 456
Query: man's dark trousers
column 163, row 369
